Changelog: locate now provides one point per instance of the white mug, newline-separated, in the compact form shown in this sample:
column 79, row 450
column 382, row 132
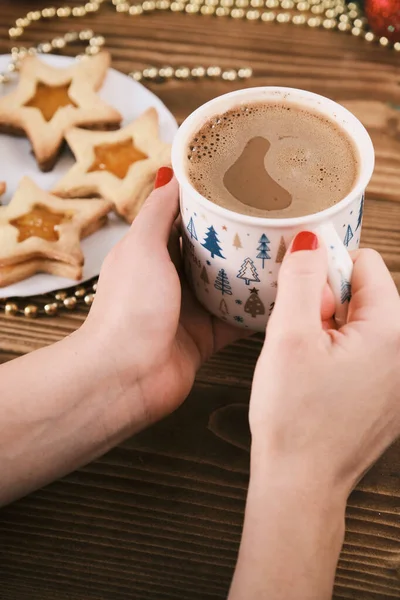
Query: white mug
column 232, row 260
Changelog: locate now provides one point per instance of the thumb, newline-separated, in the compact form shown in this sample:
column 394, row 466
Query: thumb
column 155, row 220
column 301, row 283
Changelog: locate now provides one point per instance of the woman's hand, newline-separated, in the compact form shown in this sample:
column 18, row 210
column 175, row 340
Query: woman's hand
column 323, row 400
column 150, row 330
column 324, row 405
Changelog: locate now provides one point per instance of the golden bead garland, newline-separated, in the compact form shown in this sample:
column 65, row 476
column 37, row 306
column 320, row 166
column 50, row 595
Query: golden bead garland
column 51, row 304
column 328, row 14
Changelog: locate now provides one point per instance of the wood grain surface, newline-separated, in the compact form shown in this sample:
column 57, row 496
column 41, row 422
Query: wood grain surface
column 160, row 517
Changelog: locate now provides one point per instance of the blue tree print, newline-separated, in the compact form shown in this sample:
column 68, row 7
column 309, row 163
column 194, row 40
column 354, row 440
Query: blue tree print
column 191, row 229
column 360, row 213
column 263, row 249
column 345, row 291
column 248, row 271
column 222, row 283
column 211, row 242
column 349, row 235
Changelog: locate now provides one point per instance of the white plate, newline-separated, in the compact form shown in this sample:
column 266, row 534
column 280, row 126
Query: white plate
column 16, row 160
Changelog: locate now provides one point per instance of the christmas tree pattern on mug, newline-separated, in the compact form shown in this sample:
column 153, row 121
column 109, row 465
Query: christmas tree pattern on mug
column 36, row 225
column 349, row 236
column 222, row 283
column 120, row 166
column 360, row 213
column 263, row 249
column 49, row 101
column 254, row 306
column 281, row 250
column 212, row 243
column 191, row 229
column 248, row 271
column 345, row 289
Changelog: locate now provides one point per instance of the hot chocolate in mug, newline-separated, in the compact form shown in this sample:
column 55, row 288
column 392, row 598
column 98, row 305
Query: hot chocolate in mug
column 232, row 260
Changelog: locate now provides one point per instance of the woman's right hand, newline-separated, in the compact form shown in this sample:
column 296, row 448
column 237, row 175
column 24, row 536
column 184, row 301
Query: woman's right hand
column 327, row 402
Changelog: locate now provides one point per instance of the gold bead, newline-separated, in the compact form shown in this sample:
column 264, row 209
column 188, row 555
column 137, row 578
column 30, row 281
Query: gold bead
column 227, row 3
column 34, row 15
column 94, row 287
column 237, row 13
column 260, row 3
column 48, row 13
column 360, row 23
column 369, row 36
column 329, row 23
column 31, row 311
column 150, row 73
column 344, row 18
column 396, row 46
column 353, row 14
column 287, row 4
column 51, row 309
column 11, row 308
column 383, row 41
column 78, row 11
column 268, row 16
column 11, row 67
column 92, row 50
column 283, row 17
column 86, row 34
column 356, row 31
column 339, row 9
column 71, row 36
column 70, row 302
column 123, row 7
column 318, row 9
column 272, row 3
column 245, row 73
column 303, row 6
column 229, row 75
column 15, row 32
column 89, row 299
column 192, row 8
column 207, row 10
column 253, row 15
column 314, row 21
column 165, row 73
column 80, row 292
column 22, row 22
column 330, row 14
column 162, row 5
column 60, row 295
column 177, row 6
column 135, row 10
column 58, row 43
column 45, row 48
column 198, row 72
column 221, row 11
column 214, row 71
column 91, row 7
column 242, row 3
column 148, row 5
column 299, row 19
column 64, row 11
column 352, row 6
column 182, row 73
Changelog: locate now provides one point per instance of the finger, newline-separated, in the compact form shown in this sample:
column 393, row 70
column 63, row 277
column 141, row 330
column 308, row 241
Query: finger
column 301, row 284
column 374, row 293
column 328, row 304
column 152, row 226
column 174, row 248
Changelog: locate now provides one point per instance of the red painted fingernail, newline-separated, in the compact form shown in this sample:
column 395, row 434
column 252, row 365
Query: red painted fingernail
column 305, row 240
column 164, row 176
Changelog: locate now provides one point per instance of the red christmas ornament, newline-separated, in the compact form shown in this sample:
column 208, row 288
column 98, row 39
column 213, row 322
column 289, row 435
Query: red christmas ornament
column 384, row 18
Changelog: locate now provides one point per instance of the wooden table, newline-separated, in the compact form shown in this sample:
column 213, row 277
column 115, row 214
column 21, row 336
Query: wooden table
column 160, row 517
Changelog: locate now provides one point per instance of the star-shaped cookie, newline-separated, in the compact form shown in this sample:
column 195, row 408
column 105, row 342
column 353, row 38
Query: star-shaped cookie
column 49, row 101
column 119, row 166
column 36, row 225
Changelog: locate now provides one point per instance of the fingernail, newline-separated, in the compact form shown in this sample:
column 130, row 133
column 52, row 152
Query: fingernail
column 305, row 240
column 164, row 176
